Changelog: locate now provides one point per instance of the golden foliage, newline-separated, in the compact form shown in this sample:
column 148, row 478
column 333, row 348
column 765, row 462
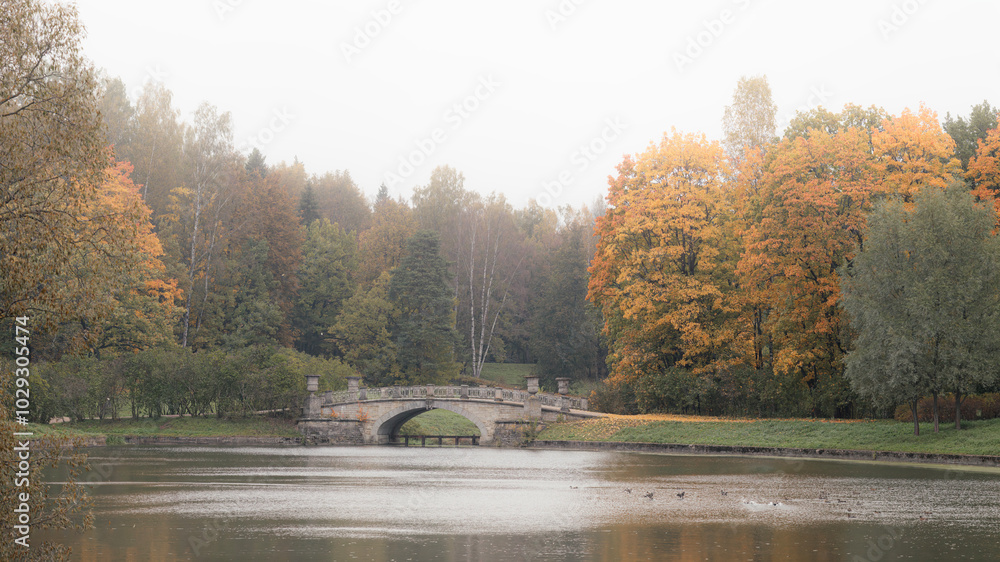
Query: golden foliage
column 913, row 152
column 984, row 170
column 51, row 160
column 656, row 271
column 706, row 267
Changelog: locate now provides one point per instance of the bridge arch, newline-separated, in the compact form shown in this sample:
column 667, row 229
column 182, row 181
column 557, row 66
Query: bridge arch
column 387, row 424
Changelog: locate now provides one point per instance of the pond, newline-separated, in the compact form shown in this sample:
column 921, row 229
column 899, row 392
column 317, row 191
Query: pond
column 471, row 503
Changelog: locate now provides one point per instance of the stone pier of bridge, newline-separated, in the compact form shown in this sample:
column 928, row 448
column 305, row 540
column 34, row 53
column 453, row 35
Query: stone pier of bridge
column 374, row 415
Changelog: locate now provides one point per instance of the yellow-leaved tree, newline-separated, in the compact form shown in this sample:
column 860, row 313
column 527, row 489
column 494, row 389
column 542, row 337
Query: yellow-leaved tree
column 984, row 169
column 657, row 274
column 51, row 153
column 913, row 152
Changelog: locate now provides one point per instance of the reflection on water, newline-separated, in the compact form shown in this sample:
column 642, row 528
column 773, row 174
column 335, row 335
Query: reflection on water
column 381, row 503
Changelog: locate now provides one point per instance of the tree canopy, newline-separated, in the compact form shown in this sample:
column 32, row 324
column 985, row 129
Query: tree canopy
column 709, row 280
column 922, row 298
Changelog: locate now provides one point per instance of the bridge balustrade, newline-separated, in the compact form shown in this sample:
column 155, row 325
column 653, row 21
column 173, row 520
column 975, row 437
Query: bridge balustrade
column 450, row 392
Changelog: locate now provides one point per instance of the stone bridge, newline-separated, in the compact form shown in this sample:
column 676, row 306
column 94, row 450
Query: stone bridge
column 374, row 415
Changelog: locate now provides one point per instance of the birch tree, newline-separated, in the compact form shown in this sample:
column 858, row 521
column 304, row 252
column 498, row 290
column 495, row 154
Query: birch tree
column 155, row 146
column 495, row 253
column 750, row 121
column 199, row 210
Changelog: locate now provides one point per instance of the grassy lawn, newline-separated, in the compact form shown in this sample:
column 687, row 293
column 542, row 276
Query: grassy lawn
column 434, row 422
column 512, row 374
column 179, row 427
column 975, row 438
column 508, row 374
column 57, row 430
column 584, row 387
column 439, row 422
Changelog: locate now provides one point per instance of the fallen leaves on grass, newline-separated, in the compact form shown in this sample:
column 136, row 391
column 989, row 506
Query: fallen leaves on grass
column 599, row 429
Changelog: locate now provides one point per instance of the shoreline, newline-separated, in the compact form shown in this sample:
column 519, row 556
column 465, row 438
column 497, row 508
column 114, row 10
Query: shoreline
column 937, row 459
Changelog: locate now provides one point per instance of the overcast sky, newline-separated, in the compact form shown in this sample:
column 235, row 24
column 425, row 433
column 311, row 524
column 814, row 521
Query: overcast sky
column 517, row 94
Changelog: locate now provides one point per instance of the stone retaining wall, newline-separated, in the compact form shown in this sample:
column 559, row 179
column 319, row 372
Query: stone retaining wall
column 89, row 441
column 233, row 441
column 335, row 431
column 515, row 433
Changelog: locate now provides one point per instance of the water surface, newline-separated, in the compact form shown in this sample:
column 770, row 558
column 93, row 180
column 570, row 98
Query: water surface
column 390, row 503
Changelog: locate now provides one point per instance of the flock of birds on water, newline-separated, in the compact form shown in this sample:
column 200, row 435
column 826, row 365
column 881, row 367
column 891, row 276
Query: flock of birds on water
column 822, row 495
column 680, row 495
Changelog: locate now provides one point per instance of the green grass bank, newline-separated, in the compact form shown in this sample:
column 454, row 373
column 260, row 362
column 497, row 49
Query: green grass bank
column 116, row 431
column 975, row 437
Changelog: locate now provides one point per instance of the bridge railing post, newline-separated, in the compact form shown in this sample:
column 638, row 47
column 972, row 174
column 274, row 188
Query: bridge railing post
column 498, row 395
column 312, row 406
column 563, row 383
column 464, row 392
column 312, row 383
column 532, row 381
column 533, row 408
column 352, row 388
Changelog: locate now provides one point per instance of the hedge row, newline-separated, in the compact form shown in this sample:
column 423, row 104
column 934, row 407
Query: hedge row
column 177, row 381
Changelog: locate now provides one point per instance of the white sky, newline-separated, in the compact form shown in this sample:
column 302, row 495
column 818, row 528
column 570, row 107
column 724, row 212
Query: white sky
column 281, row 69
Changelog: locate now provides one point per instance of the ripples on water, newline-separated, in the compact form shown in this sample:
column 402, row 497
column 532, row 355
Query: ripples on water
column 382, row 503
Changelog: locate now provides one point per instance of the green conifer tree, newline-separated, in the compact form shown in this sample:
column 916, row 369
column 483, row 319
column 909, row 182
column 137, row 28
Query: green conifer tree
column 425, row 332
column 308, row 206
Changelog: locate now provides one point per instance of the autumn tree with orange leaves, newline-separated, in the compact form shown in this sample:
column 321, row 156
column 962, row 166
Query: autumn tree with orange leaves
column 266, row 212
column 984, row 169
column 912, row 152
column 807, row 213
column 52, row 157
column 811, row 201
column 727, row 279
column 656, row 274
column 384, row 243
column 122, row 297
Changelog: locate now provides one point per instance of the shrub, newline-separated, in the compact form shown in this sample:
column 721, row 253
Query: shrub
column 74, row 388
column 332, row 373
column 976, row 407
column 176, row 380
column 614, row 399
column 675, row 390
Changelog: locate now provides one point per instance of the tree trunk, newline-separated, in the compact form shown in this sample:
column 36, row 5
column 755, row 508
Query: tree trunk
column 935, row 394
column 149, row 171
column 916, row 420
column 958, row 409
column 192, row 266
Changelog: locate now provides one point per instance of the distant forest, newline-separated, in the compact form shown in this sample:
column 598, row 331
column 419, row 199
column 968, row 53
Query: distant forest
column 164, row 270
